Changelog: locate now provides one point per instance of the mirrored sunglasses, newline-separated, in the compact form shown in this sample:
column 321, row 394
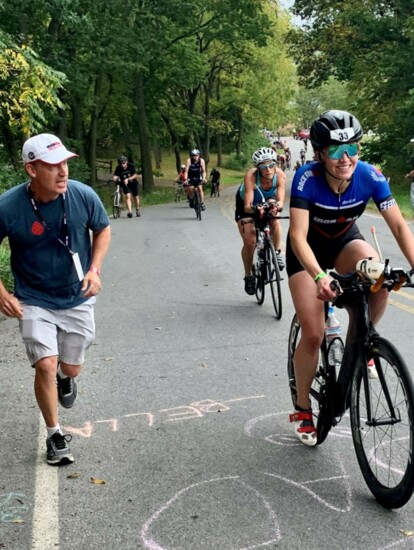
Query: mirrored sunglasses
column 336, row 152
column 266, row 166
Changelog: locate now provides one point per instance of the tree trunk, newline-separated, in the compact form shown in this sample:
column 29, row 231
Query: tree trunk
column 93, row 131
column 77, row 126
column 144, row 135
column 126, row 136
column 158, row 155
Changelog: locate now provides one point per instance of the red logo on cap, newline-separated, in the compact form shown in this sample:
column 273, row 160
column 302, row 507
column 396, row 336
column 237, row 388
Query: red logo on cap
column 37, row 228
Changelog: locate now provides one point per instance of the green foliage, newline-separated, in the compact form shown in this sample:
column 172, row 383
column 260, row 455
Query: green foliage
column 79, row 170
column 28, row 88
column 5, row 273
column 369, row 45
column 237, row 162
column 10, row 176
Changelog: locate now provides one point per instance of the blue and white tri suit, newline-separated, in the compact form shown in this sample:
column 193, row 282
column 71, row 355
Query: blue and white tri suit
column 332, row 216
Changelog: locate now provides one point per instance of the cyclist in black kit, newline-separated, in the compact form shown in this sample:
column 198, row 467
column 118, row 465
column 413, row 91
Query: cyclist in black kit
column 195, row 174
column 126, row 174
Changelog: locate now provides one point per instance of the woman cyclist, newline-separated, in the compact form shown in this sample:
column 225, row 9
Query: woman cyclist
column 195, row 174
column 327, row 197
column 265, row 181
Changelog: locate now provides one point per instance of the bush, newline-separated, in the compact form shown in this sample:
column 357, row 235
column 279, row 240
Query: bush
column 11, row 176
column 235, row 162
column 5, row 273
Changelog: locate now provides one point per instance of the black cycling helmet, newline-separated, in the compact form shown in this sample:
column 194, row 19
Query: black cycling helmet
column 122, row 159
column 333, row 128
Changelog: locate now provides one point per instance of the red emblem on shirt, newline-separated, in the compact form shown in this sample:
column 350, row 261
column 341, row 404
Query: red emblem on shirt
column 37, row 228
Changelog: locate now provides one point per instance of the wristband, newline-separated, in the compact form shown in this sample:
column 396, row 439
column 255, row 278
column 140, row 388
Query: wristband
column 95, row 270
column 319, row 276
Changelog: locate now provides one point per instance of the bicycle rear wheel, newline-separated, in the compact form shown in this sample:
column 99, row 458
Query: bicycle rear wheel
column 320, row 392
column 274, row 279
column 384, row 444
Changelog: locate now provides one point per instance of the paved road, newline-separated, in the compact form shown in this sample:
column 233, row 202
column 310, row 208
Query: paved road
column 182, row 412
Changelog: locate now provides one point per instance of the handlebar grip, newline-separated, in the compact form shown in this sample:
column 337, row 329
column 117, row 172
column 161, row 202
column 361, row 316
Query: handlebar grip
column 378, row 284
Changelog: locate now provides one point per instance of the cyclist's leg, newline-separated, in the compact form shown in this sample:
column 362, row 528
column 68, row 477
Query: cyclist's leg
column 201, row 191
column 310, row 313
column 128, row 202
column 248, row 235
column 276, row 233
column 346, row 261
column 135, row 194
column 191, row 194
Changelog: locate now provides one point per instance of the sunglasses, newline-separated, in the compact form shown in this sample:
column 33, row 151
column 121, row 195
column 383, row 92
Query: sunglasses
column 336, row 152
column 267, row 166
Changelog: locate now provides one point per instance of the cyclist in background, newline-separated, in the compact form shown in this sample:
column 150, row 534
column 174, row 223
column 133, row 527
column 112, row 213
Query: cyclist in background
column 288, row 156
column 195, row 174
column 327, row 197
column 126, row 174
column 215, row 181
column 263, row 182
column 302, row 155
column 410, row 175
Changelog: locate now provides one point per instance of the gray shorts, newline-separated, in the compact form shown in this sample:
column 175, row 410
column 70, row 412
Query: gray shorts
column 67, row 333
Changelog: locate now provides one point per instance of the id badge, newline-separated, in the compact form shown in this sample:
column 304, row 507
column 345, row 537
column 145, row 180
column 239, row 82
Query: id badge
column 78, row 266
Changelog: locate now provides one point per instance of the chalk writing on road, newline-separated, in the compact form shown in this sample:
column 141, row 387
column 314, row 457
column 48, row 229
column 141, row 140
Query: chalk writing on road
column 12, row 506
column 198, row 409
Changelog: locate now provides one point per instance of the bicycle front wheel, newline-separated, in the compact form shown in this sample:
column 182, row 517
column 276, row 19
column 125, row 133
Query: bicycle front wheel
column 260, row 289
column 382, row 425
column 274, row 279
column 197, row 203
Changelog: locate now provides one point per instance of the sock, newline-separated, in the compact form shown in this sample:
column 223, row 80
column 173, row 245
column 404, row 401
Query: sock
column 60, row 373
column 51, row 431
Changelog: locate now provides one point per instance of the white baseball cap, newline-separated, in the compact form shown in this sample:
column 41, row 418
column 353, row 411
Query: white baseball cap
column 47, row 148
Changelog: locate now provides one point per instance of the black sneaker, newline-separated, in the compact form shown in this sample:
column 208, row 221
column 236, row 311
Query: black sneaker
column 138, row 213
column 250, row 285
column 191, row 203
column 67, row 391
column 203, row 206
column 129, row 214
column 57, row 450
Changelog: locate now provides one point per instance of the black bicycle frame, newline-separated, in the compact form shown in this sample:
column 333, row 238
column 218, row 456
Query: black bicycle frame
column 360, row 340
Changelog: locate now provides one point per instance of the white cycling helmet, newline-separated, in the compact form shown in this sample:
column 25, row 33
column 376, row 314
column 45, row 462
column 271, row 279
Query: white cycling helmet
column 263, row 154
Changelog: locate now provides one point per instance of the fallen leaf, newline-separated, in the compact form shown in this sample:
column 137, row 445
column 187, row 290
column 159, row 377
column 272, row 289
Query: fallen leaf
column 74, row 475
column 407, row 533
column 203, row 365
column 97, row 481
column 18, row 520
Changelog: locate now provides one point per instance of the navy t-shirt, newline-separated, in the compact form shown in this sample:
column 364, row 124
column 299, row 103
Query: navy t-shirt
column 43, row 269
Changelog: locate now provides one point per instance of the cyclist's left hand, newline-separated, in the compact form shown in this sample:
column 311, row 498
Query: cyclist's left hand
column 324, row 290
